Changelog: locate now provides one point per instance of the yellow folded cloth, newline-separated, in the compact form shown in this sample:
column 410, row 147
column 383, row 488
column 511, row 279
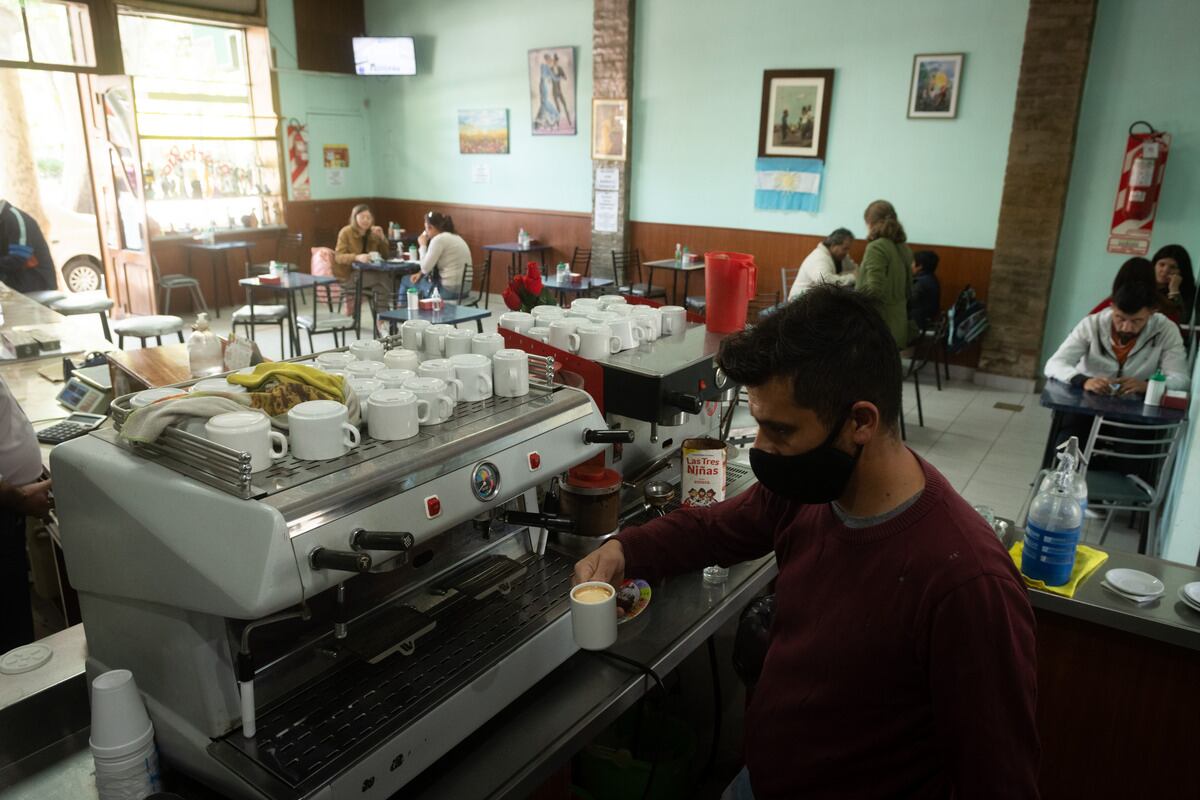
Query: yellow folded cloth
column 329, row 386
column 1087, row 561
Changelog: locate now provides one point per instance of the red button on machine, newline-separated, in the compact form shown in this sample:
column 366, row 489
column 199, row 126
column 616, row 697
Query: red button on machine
column 535, row 462
column 703, row 385
column 433, row 506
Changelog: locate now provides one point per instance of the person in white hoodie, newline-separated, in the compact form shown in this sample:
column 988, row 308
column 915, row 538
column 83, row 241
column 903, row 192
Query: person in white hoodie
column 829, row 262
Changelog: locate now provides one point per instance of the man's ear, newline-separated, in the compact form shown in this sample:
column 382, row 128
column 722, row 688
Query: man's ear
column 865, row 422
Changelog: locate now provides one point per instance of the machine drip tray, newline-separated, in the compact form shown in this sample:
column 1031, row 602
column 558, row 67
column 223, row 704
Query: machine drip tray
column 311, row 736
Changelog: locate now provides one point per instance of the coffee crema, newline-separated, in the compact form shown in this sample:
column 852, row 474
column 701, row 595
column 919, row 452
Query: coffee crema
column 592, row 594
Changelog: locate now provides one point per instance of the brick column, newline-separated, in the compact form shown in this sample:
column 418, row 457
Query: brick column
column 1058, row 40
column 612, row 78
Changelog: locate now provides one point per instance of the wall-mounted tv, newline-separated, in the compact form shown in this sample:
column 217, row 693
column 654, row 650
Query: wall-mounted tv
column 384, row 55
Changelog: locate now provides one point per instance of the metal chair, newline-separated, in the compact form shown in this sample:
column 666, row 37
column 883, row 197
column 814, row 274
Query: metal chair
column 289, row 250
column 581, row 261
column 169, row 283
column 86, row 303
column 485, row 284
column 628, row 265
column 465, row 297
column 925, row 347
column 263, row 315
column 153, row 326
column 786, row 278
column 333, row 322
column 45, row 296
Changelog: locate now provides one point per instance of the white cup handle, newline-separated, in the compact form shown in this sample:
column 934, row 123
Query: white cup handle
column 485, row 384
column 459, row 391
column 423, row 416
column 638, row 333
column 446, row 402
column 614, row 344
column 352, row 438
column 573, row 342
column 278, row 438
column 512, row 376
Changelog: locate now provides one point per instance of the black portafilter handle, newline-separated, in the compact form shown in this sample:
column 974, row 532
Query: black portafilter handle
column 688, row 403
column 550, row 522
column 344, row 560
column 361, row 539
column 608, row 436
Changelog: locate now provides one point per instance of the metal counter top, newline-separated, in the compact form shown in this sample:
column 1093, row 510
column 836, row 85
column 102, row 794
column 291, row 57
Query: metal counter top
column 668, row 354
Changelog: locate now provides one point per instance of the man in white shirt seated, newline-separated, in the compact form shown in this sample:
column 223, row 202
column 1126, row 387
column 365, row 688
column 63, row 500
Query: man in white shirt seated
column 829, row 262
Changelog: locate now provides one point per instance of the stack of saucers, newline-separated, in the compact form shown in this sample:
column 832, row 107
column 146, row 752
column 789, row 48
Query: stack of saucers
column 1189, row 593
column 1133, row 584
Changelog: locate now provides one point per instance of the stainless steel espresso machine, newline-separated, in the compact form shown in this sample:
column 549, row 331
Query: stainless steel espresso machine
column 326, row 629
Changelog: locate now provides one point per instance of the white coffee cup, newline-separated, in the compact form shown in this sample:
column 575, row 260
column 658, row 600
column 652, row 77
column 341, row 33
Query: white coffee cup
column 334, row 360
column 433, row 343
column 650, row 321
column 402, row 358
column 510, row 373
column 674, row 319
column 217, row 385
column 486, row 344
column 412, row 333
column 395, row 378
column 363, row 369
column 436, row 394
column 474, row 373
column 363, row 388
column 594, row 615
column 597, row 341
column 603, row 317
column 563, row 336
column 319, row 430
column 518, row 321
column 622, row 309
column 606, row 300
column 444, row 369
column 148, row 396
column 624, row 329
column 585, row 305
column 367, row 350
column 249, row 432
column 458, row 341
column 539, row 332
column 374, row 256
column 395, row 414
column 543, row 314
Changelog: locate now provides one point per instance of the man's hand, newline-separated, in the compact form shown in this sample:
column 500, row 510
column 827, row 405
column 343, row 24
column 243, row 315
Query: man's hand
column 1099, row 385
column 362, row 258
column 34, row 499
column 1131, row 386
column 607, row 564
column 423, row 239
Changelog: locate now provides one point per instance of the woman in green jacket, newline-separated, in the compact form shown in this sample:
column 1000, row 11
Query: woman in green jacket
column 886, row 270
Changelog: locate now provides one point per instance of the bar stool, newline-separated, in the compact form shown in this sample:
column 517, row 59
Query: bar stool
column 156, row 325
column 45, row 296
column 86, row 303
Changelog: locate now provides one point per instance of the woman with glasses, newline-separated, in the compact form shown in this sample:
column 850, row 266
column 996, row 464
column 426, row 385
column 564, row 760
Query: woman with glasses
column 444, row 254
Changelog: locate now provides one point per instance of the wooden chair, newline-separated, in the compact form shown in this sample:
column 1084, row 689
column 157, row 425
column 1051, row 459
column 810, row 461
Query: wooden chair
column 627, row 270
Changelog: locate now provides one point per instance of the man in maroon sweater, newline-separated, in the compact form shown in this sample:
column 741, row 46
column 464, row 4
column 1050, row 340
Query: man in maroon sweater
column 902, row 658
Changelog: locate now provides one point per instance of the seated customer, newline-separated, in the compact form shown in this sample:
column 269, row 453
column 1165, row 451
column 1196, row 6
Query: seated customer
column 829, row 262
column 356, row 242
column 925, row 305
column 1117, row 350
column 1137, row 270
column 444, row 254
column 1176, row 283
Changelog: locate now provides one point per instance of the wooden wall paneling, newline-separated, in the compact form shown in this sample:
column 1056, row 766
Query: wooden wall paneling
column 320, row 220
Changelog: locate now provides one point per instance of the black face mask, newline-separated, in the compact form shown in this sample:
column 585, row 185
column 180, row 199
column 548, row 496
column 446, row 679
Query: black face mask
column 817, row 476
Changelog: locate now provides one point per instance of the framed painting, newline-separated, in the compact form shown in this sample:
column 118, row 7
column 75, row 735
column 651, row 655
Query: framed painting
column 936, row 78
column 795, row 113
column 552, row 91
column 483, row 131
column 610, row 122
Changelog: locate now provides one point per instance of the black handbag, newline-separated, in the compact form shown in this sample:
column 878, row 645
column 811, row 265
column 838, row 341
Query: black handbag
column 753, row 638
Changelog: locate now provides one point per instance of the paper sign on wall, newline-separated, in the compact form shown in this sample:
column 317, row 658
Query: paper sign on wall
column 335, row 177
column 481, row 173
column 606, row 212
column 337, row 156
column 608, row 179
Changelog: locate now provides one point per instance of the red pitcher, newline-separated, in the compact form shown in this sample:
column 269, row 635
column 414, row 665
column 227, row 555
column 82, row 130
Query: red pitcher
column 730, row 281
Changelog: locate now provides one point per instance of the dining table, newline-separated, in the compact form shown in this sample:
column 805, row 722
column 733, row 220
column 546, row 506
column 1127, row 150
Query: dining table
column 516, row 251
column 287, row 284
column 686, row 268
column 217, row 253
column 583, row 284
column 449, row 314
column 398, row 268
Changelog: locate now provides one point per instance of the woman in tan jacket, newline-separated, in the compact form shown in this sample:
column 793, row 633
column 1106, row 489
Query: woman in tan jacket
column 358, row 241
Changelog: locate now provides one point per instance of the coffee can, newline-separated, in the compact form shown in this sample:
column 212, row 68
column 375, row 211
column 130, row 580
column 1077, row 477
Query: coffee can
column 703, row 482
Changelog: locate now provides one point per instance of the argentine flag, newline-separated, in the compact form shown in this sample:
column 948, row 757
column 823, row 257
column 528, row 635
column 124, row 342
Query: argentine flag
column 788, row 184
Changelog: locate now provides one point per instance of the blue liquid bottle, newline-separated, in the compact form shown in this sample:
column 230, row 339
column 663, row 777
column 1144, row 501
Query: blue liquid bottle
column 1055, row 521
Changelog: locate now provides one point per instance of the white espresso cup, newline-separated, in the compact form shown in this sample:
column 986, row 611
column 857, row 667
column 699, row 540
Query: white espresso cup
column 539, row 332
column 396, row 414
column 606, row 300
column 364, row 388
column 510, row 373
column 367, row 350
column 626, row 331
column 433, row 340
column 585, row 305
column 563, row 336
column 394, row 378
column 543, row 314
column 458, row 341
column 622, row 309
column 597, row 341
column 674, row 319
column 402, row 358
column 518, row 321
column 442, row 368
column 334, row 360
column 436, row 394
column 250, row 432
column 217, row 385
column 594, row 615
column 319, row 430
column 363, row 369
column 486, row 344
column 474, row 373
column 603, row 317
column 650, row 321
column 412, row 334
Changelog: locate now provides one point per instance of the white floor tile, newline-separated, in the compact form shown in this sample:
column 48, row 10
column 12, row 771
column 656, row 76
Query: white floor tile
column 954, row 445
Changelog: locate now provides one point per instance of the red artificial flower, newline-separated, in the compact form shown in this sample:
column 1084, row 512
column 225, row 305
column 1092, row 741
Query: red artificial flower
column 511, row 299
column 533, row 279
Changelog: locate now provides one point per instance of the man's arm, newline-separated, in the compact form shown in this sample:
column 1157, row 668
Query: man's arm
column 983, row 680
column 32, row 499
column 1063, row 365
column 1174, row 359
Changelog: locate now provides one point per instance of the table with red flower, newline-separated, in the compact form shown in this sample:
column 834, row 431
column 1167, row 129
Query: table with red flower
column 526, row 290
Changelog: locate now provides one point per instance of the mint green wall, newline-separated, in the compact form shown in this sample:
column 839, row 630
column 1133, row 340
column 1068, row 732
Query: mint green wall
column 472, row 54
column 698, row 93
column 334, row 107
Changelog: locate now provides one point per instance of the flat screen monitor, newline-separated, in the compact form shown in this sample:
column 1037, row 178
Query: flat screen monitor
column 384, row 55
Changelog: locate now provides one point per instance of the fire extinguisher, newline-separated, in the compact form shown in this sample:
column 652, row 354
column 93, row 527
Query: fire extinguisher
column 1139, row 200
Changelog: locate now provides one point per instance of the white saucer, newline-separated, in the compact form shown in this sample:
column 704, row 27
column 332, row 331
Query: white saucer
column 1190, row 595
column 1136, row 598
column 1135, row 582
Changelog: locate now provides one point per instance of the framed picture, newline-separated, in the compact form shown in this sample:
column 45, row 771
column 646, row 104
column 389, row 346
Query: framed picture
column 609, row 129
column 795, row 113
column 552, row 91
column 935, row 81
column 483, row 131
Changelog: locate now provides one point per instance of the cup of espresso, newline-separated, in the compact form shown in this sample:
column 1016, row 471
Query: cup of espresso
column 249, row 432
column 594, row 615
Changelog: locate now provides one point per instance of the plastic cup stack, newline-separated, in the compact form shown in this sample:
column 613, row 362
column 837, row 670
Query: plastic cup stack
column 122, row 739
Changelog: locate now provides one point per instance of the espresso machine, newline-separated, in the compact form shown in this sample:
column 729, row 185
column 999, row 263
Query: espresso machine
column 328, row 629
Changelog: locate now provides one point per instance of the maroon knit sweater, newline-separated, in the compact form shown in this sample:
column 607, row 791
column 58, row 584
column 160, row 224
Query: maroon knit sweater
column 902, row 659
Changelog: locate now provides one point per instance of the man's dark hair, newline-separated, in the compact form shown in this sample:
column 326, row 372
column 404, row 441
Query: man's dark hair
column 1134, row 270
column 1134, row 296
column 833, row 345
column 927, row 260
column 838, row 236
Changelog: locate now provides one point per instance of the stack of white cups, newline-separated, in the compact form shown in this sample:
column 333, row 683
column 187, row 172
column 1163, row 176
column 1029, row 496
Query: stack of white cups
column 122, row 739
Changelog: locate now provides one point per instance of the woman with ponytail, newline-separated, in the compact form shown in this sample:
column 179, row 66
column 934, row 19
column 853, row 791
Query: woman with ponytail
column 444, row 255
column 885, row 273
